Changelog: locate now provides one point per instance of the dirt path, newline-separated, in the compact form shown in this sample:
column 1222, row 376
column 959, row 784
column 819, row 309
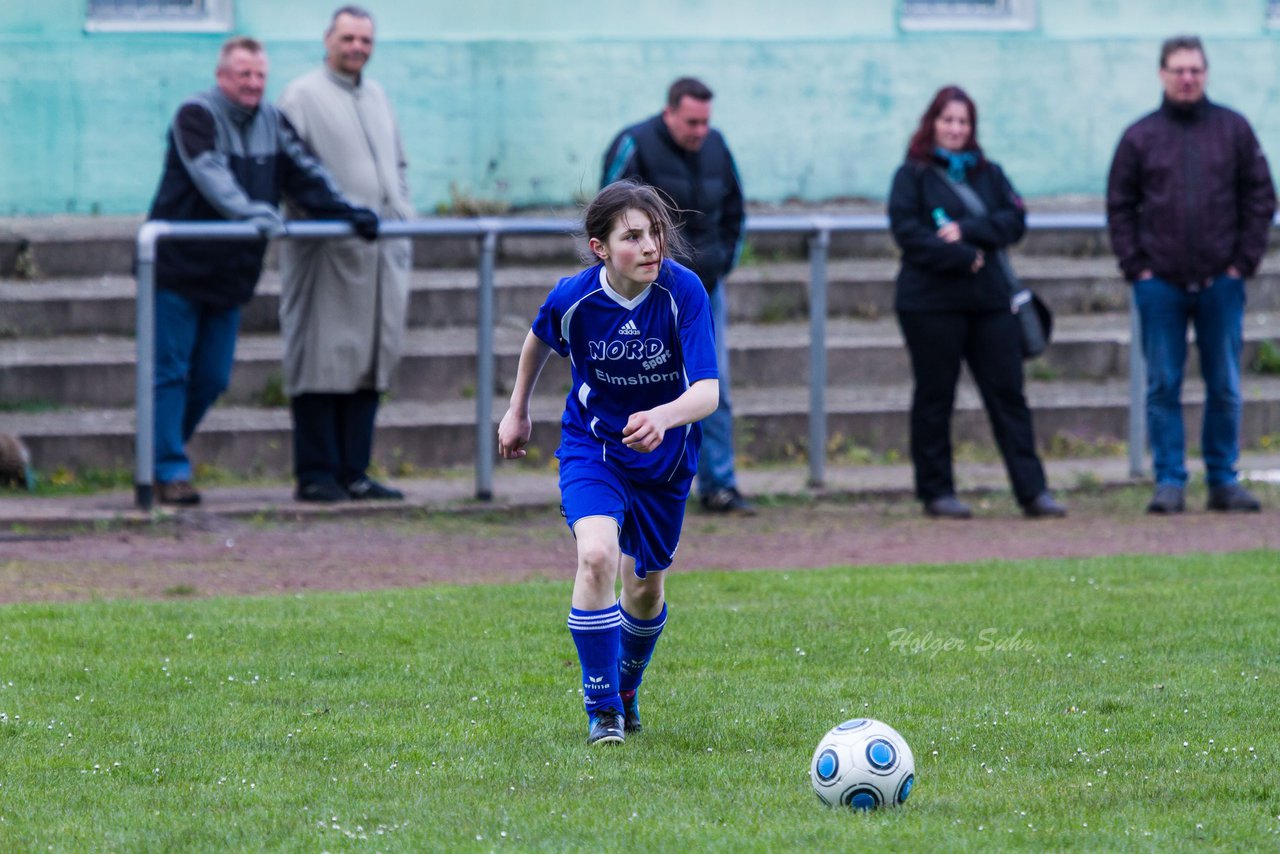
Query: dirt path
column 208, row 555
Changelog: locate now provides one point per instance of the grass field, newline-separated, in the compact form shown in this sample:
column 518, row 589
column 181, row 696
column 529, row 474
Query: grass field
column 1104, row 704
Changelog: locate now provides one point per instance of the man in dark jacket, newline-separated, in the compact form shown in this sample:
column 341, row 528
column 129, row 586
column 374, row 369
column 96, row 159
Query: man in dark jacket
column 230, row 157
column 679, row 152
column 1189, row 207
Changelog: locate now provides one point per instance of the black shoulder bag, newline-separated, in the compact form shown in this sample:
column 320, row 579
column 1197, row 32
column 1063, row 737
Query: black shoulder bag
column 1034, row 317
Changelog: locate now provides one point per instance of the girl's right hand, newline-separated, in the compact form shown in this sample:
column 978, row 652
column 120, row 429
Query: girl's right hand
column 978, row 261
column 513, row 434
column 644, row 432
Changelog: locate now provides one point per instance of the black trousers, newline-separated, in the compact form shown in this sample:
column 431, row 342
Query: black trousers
column 988, row 342
column 332, row 436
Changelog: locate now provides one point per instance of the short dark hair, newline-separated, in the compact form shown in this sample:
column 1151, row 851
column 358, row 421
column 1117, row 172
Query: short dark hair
column 1177, row 43
column 688, row 87
column 620, row 196
column 353, row 11
column 245, row 43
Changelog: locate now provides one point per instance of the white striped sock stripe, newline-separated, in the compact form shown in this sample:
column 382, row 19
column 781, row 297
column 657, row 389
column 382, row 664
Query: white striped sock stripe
column 631, row 627
column 597, row 622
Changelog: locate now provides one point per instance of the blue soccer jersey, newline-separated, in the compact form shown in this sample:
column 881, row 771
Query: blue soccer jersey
column 627, row 356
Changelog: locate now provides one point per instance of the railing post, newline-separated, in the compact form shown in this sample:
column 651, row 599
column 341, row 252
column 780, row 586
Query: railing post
column 486, row 441
column 819, row 244
column 1137, row 392
column 145, row 342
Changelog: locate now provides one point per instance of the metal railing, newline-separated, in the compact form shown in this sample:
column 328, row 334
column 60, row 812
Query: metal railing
column 488, row 231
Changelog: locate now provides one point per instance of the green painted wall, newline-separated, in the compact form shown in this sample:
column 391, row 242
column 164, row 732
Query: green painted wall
column 515, row 100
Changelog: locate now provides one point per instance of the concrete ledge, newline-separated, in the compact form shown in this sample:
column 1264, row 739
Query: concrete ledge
column 534, row 490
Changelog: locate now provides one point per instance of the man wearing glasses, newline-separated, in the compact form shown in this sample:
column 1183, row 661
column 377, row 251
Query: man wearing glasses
column 1189, row 207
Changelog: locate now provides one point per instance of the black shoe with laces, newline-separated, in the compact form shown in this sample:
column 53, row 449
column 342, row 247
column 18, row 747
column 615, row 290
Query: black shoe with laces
column 606, row 727
column 727, row 499
column 368, row 489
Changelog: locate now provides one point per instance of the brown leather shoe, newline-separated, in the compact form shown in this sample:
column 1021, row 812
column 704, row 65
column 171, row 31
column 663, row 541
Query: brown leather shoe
column 179, row 492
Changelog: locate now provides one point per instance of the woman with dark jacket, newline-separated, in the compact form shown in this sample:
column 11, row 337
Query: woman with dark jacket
column 952, row 301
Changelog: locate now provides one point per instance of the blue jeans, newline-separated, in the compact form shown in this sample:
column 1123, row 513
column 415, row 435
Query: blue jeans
column 715, row 459
column 1217, row 313
column 195, row 348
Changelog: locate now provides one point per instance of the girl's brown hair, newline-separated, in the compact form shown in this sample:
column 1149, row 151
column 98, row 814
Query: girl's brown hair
column 619, row 197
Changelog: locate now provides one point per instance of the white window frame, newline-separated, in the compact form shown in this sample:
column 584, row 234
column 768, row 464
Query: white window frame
column 933, row 16
column 214, row 16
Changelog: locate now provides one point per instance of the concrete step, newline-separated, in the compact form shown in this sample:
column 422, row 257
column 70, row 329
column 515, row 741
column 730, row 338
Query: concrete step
column 99, row 371
column 1069, row 415
column 453, row 491
column 440, row 364
column 772, row 425
column 764, row 292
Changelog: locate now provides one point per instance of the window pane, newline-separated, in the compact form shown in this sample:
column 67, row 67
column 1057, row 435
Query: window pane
column 146, row 8
column 968, row 14
column 159, row 15
column 956, row 7
column 135, row 5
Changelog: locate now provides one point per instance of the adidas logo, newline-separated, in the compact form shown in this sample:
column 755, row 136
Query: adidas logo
column 629, row 328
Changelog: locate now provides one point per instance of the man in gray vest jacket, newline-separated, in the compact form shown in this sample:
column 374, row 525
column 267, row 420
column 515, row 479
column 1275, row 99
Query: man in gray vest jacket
column 343, row 306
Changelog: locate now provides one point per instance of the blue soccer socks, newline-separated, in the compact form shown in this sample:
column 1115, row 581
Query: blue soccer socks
column 596, row 635
column 639, row 637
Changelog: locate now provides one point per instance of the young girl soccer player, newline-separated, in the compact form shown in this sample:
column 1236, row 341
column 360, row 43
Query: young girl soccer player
column 636, row 327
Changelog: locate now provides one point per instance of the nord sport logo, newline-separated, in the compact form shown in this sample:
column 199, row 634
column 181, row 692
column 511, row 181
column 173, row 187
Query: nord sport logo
column 632, row 348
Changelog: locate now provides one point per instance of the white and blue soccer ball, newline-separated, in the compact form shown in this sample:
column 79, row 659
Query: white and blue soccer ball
column 863, row 764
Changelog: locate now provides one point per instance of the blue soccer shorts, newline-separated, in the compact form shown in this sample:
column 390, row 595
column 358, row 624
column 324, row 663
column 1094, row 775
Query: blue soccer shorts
column 649, row 515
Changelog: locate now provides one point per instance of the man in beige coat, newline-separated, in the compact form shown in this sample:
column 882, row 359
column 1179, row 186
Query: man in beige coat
column 343, row 306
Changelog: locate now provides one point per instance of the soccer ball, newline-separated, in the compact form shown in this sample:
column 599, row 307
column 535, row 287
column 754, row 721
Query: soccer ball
column 863, row 764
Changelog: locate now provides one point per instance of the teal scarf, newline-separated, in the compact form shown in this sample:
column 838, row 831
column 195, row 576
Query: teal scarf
column 958, row 163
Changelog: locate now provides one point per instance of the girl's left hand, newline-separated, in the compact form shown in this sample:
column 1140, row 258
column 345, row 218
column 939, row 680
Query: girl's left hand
column 643, row 432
